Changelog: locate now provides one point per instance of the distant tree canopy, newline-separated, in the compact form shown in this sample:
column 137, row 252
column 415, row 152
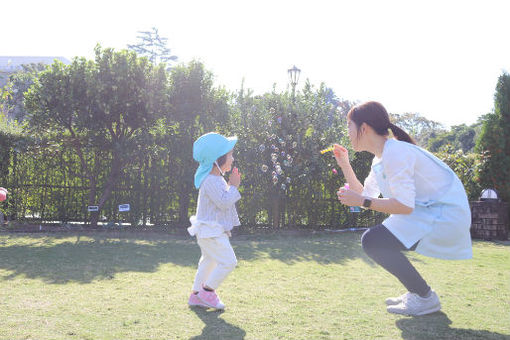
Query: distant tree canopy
column 18, row 84
column 494, row 142
column 419, row 127
column 460, row 137
column 151, row 45
column 434, row 136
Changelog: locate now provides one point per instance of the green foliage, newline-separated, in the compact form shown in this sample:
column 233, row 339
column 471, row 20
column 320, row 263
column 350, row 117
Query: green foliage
column 466, row 166
column 279, row 154
column 12, row 139
column 119, row 129
column 99, row 111
column 9, row 130
column 418, row 127
column 17, row 85
column 493, row 144
column 12, row 142
column 461, row 137
column 197, row 108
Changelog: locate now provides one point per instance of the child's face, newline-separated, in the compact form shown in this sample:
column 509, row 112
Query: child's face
column 227, row 166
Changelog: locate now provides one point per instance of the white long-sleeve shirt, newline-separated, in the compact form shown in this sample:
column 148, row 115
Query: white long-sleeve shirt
column 441, row 217
column 216, row 211
column 410, row 173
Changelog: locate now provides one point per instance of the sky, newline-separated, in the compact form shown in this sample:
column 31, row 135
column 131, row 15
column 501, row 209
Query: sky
column 440, row 59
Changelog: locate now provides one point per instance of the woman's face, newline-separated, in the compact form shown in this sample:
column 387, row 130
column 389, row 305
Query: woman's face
column 227, row 166
column 353, row 135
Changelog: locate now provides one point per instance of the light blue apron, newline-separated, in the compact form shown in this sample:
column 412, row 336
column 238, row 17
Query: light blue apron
column 442, row 226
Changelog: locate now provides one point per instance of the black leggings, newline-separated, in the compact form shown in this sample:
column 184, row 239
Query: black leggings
column 385, row 249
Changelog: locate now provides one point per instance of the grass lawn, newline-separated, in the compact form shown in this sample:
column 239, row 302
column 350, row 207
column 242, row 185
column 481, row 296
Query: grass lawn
column 288, row 286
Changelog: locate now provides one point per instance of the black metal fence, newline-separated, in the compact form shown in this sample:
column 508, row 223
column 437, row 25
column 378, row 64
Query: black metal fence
column 44, row 192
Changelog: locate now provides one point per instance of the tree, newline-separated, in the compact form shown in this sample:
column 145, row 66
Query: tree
column 493, row 145
column 197, row 108
column 12, row 141
column 99, row 110
column 153, row 46
column 279, row 142
column 5, row 108
column 18, row 84
column 465, row 165
column 419, row 127
column 460, row 137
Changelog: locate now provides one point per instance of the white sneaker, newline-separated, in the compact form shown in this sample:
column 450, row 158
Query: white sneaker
column 414, row 305
column 396, row 300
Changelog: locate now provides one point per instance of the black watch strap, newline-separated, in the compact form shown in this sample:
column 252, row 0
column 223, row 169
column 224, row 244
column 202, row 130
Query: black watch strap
column 367, row 202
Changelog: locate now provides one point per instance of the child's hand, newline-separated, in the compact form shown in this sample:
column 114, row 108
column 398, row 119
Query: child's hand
column 341, row 155
column 235, row 178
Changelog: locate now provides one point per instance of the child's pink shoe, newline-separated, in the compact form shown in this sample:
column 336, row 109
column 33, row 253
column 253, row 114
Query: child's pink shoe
column 210, row 299
column 195, row 301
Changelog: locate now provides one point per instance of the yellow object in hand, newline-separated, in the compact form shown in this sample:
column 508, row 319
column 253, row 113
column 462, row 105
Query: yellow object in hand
column 327, row 150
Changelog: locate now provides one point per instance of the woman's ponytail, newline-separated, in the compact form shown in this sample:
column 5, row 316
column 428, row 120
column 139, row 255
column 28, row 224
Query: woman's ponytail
column 375, row 115
column 400, row 134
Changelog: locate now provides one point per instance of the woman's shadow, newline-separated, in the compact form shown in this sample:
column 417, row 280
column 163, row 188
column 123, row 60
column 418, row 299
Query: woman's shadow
column 215, row 327
column 437, row 326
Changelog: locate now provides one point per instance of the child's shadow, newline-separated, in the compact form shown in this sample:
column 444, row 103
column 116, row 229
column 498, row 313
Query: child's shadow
column 437, row 326
column 215, row 327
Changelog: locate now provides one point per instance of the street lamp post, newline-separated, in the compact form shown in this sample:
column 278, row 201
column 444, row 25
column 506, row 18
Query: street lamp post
column 294, row 73
column 279, row 203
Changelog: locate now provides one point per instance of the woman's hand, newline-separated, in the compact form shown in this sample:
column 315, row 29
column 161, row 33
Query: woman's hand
column 235, row 178
column 349, row 197
column 385, row 205
column 341, row 155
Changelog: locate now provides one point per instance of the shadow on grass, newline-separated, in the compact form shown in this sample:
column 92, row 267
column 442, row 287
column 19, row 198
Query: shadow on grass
column 215, row 327
column 65, row 258
column 321, row 248
column 437, row 326
column 61, row 258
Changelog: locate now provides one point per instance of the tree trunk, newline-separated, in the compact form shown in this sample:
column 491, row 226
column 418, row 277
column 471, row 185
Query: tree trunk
column 184, row 198
column 276, row 211
column 94, row 215
column 110, row 184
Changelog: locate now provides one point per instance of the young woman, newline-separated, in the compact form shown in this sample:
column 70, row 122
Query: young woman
column 427, row 203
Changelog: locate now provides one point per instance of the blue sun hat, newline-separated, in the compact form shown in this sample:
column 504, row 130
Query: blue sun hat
column 207, row 149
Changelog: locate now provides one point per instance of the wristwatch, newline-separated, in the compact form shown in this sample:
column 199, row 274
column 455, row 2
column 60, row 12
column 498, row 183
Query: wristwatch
column 367, row 202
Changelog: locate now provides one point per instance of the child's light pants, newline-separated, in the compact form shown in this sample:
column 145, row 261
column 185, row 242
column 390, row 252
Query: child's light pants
column 217, row 261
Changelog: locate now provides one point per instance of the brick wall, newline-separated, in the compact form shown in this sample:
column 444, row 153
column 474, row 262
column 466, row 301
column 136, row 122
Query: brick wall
column 489, row 220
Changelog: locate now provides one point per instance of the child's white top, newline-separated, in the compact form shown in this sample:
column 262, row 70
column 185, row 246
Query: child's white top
column 441, row 216
column 216, row 211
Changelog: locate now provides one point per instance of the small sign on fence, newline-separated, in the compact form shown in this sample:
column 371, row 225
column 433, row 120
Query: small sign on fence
column 93, row 208
column 124, row 207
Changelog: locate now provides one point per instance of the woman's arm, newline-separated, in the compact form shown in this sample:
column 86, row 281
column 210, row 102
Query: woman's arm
column 389, row 206
column 342, row 159
column 385, row 205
